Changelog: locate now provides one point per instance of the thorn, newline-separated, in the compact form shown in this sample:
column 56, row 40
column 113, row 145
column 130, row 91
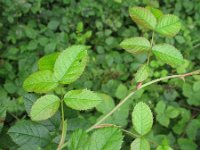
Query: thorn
column 139, row 85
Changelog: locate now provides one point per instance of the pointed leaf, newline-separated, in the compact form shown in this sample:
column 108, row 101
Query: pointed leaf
column 140, row 144
column 81, row 99
column 142, row 118
column 142, row 73
column 40, row 82
column 143, row 17
column 168, row 54
column 136, row 45
column 78, row 140
column 70, row 64
column 45, row 107
column 156, row 12
column 109, row 138
column 168, row 25
column 47, row 62
column 28, row 132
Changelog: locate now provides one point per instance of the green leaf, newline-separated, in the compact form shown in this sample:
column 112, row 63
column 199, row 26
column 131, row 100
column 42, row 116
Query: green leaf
column 192, row 128
column 186, row 144
column 81, row 99
column 168, row 25
column 168, row 54
column 106, row 105
column 45, row 107
column 172, row 112
column 121, row 91
column 29, row 99
column 2, row 116
column 28, row 132
column 70, row 64
column 78, row 140
column 142, row 118
column 40, row 82
column 136, row 45
column 47, row 62
column 156, row 12
column 143, row 17
column 140, row 144
column 109, row 138
column 196, row 86
column 142, row 73
column 164, row 147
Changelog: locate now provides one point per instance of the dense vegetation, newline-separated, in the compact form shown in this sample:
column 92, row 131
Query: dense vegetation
column 34, row 28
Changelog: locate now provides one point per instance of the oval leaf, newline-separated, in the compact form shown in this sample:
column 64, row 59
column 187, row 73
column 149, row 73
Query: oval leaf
column 47, row 62
column 109, row 138
column 81, row 99
column 28, row 132
column 45, row 107
column 142, row 118
column 156, row 12
column 140, row 144
column 136, row 45
column 40, row 82
column 142, row 73
column 168, row 54
column 143, row 17
column 168, row 25
column 70, row 64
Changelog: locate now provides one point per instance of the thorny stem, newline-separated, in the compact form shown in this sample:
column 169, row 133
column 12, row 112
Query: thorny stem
column 62, row 140
column 151, row 45
column 137, row 89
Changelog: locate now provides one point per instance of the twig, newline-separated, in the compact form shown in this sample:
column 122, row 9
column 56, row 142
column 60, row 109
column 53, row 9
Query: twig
column 133, row 92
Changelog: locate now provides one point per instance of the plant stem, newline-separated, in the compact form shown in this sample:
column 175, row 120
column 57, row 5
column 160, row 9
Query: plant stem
column 151, row 45
column 64, row 128
column 137, row 89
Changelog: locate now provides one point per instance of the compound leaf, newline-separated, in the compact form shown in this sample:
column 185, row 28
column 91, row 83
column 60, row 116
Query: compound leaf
column 168, row 54
column 106, row 139
column 81, row 99
column 140, row 144
column 168, row 25
column 28, row 132
column 40, row 82
column 136, row 45
column 143, row 17
column 142, row 118
column 47, row 62
column 70, row 64
column 142, row 73
column 44, row 107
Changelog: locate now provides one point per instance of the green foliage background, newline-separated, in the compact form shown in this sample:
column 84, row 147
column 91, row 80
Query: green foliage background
column 30, row 29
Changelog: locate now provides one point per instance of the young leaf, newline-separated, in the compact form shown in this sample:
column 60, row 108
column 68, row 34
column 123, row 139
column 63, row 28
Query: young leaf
column 142, row 118
column 28, row 132
column 168, row 25
column 78, row 140
column 40, row 82
column 140, row 144
column 47, row 62
column 81, row 99
column 70, row 64
column 168, row 54
column 45, row 107
column 109, row 138
column 142, row 73
column 143, row 17
column 136, row 45
column 164, row 147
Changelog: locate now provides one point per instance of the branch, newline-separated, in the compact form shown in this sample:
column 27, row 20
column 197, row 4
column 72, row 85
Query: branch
column 182, row 76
